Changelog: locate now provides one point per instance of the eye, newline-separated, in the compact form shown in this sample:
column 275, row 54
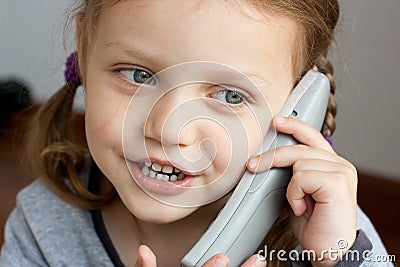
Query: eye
column 230, row 97
column 138, row 76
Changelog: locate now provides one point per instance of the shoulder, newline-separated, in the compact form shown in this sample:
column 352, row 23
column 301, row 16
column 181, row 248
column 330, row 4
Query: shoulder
column 38, row 197
column 42, row 208
column 365, row 224
column 62, row 234
column 378, row 249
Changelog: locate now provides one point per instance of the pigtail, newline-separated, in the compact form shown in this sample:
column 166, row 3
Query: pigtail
column 56, row 143
column 55, row 151
column 329, row 126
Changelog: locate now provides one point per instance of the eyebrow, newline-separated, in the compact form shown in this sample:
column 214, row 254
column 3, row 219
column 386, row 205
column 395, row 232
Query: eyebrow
column 255, row 77
column 130, row 51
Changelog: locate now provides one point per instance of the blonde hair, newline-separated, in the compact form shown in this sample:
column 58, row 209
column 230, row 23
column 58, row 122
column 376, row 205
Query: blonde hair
column 53, row 144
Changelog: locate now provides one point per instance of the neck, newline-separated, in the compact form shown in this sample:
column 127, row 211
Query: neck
column 180, row 235
column 169, row 241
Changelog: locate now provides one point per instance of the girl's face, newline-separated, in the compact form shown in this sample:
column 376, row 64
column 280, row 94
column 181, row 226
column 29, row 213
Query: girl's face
column 136, row 39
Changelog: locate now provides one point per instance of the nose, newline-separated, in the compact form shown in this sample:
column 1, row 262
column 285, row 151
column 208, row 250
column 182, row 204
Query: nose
column 166, row 123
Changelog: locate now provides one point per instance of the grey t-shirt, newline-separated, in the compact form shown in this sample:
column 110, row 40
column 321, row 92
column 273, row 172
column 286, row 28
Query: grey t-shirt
column 44, row 230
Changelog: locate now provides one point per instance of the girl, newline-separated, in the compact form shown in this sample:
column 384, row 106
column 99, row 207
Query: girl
column 121, row 46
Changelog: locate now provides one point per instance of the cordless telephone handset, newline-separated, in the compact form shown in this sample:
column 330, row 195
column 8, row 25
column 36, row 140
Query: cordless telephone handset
column 258, row 198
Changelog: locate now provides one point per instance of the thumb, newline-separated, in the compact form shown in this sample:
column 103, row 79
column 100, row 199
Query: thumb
column 146, row 257
column 219, row 260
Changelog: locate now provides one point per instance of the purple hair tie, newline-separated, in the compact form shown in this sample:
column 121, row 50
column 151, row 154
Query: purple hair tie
column 329, row 140
column 72, row 71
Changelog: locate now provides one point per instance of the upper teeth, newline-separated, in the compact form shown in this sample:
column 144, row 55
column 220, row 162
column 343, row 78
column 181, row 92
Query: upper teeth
column 162, row 173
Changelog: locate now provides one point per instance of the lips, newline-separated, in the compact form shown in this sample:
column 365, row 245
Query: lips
column 159, row 177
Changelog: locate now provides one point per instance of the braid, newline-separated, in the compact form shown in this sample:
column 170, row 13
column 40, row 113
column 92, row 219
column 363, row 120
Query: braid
column 325, row 67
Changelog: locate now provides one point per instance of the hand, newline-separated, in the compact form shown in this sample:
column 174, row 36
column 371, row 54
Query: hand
column 146, row 258
column 322, row 191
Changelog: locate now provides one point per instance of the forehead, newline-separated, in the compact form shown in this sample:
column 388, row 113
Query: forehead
column 177, row 31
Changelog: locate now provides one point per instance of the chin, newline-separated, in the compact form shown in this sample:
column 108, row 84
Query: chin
column 165, row 215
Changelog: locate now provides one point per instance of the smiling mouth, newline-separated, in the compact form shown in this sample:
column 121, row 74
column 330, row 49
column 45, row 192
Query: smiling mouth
column 160, row 172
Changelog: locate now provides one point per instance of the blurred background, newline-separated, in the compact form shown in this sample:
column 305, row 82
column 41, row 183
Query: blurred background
column 366, row 59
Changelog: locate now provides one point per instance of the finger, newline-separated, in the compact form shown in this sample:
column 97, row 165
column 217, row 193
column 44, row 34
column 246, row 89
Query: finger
column 302, row 132
column 255, row 261
column 338, row 170
column 305, row 206
column 146, row 257
column 320, row 185
column 286, row 156
column 219, row 260
column 318, row 165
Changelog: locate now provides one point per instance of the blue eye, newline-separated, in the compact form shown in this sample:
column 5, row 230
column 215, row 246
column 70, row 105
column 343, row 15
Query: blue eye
column 228, row 96
column 138, row 76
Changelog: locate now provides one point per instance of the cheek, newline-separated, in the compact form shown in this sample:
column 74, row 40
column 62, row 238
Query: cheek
column 211, row 144
column 223, row 148
column 104, row 122
column 236, row 146
column 102, row 134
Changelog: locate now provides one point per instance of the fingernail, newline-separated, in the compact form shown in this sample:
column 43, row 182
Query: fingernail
column 220, row 262
column 253, row 162
column 258, row 262
column 280, row 120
